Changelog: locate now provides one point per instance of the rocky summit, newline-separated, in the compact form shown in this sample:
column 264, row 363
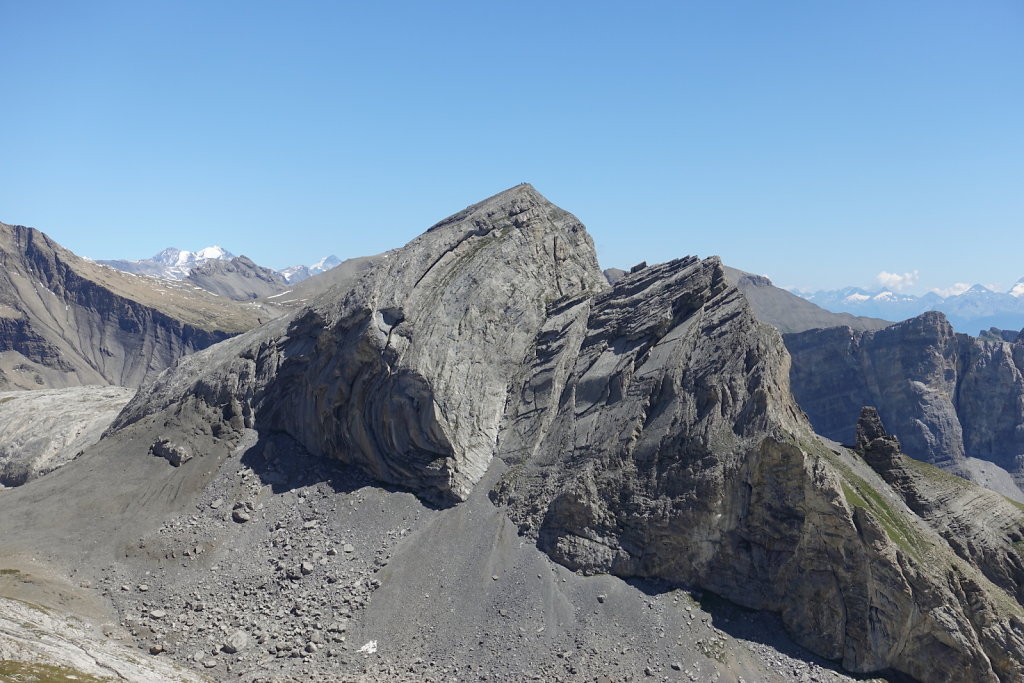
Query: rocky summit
column 471, row 458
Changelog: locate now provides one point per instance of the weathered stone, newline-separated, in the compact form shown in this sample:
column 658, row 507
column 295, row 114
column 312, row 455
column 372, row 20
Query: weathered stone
column 240, row 515
column 174, row 453
column 236, row 642
column 654, row 434
column 96, row 325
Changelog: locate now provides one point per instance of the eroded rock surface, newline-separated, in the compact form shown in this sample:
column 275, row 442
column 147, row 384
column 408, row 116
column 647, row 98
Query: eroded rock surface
column 947, row 396
column 406, row 372
column 42, row 430
column 654, row 435
column 647, row 431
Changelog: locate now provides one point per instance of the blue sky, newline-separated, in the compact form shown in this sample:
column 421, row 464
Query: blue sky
column 820, row 143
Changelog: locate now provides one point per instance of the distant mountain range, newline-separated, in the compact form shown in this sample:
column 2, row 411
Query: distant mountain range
column 178, row 264
column 976, row 309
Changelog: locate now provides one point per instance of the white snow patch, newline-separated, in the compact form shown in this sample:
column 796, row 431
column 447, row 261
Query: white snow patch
column 858, row 297
column 369, row 648
column 281, row 294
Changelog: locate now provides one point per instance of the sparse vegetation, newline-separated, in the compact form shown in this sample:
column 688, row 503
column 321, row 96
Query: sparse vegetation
column 25, row 672
column 859, row 493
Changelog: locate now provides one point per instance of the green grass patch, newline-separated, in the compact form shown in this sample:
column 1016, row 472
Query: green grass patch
column 930, row 471
column 25, row 672
column 859, row 493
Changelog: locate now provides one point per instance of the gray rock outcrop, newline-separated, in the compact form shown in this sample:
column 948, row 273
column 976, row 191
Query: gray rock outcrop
column 406, row 373
column 948, row 397
column 646, row 431
column 981, row 526
column 655, row 436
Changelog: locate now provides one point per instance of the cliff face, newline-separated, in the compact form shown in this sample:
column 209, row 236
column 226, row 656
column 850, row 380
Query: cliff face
column 654, row 435
column 947, row 396
column 406, row 372
column 647, row 431
column 65, row 321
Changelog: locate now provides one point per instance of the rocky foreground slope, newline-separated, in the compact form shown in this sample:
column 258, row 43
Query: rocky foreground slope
column 953, row 400
column 645, row 432
column 65, row 321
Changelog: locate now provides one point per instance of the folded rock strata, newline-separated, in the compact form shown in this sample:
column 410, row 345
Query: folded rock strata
column 648, row 431
column 406, row 372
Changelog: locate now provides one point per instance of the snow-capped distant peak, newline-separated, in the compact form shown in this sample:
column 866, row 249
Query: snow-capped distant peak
column 326, row 263
column 1018, row 289
column 857, row 297
column 172, row 263
column 294, row 274
column 184, row 258
column 884, row 296
column 211, row 253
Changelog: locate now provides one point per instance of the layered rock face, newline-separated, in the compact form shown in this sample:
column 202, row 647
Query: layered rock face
column 647, row 431
column 654, row 435
column 406, row 372
column 947, row 396
column 981, row 526
column 65, row 321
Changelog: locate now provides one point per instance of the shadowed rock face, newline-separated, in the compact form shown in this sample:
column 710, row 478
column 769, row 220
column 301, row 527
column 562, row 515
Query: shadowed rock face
column 648, row 431
column 65, row 321
column 947, row 396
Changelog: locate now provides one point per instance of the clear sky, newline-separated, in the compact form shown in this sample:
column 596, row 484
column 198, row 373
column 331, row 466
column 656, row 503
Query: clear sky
column 819, row 143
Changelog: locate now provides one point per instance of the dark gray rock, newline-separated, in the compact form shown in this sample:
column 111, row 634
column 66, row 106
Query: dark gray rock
column 654, row 435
